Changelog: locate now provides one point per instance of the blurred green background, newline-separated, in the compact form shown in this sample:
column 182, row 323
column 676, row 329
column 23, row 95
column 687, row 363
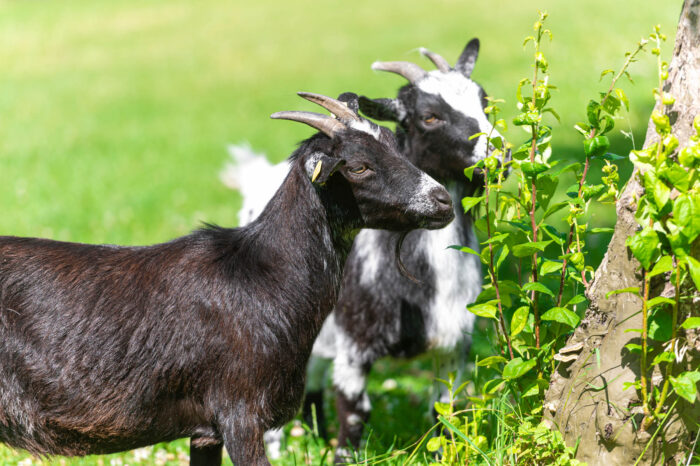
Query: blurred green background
column 115, row 115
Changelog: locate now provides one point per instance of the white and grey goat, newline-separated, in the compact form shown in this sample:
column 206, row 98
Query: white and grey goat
column 380, row 311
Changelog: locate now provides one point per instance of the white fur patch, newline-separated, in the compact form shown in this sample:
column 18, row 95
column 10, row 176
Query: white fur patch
column 347, row 377
column 422, row 200
column 462, row 94
column 254, row 177
column 457, row 281
column 366, row 127
column 369, row 255
column 325, row 344
column 273, row 443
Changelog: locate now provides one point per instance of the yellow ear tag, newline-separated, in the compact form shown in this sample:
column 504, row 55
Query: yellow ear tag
column 317, row 171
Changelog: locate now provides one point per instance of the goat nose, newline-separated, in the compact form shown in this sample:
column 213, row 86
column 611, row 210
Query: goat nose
column 442, row 198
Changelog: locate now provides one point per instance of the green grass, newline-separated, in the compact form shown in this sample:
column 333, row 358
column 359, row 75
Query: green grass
column 114, row 115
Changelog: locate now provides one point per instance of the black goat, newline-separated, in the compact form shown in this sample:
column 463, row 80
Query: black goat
column 380, row 312
column 108, row 348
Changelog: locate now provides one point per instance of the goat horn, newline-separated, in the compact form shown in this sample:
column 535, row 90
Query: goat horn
column 437, row 60
column 327, row 125
column 408, row 70
column 336, row 107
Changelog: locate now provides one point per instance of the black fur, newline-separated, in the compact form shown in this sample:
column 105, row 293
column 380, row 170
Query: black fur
column 108, row 348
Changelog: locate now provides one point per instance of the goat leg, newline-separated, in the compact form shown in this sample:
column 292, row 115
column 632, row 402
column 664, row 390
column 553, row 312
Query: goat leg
column 244, row 441
column 205, row 455
column 352, row 403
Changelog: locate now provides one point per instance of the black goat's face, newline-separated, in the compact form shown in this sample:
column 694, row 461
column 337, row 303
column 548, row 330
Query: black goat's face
column 438, row 113
column 360, row 170
column 387, row 190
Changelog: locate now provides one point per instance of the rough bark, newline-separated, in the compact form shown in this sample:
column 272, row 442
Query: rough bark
column 586, row 399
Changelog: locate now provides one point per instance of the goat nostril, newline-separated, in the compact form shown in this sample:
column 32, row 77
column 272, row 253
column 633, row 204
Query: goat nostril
column 442, row 198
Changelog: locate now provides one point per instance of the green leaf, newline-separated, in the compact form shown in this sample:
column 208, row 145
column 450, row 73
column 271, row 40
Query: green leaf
column 519, row 320
column 627, row 385
column 623, row 98
column 644, row 246
column 434, row 444
column 498, row 238
column 631, row 289
column 464, row 249
column 516, row 368
column 609, row 156
column 562, row 315
column 546, row 186
column 550, row 267
column 502, row 257
column 527, row 249
column 685, row 385
column 469, row 202
column 665, row 264
column 442, row 408
column 532, row 169
column 579, row 298
column 527, row 118
column 469, row 172
column 532, row 390
column 660, row 325
column 611, row 104
column 694, row 269
column 658, row 189
column 602, row 75
column 572, row 190
column 659, row 300
column 539, row 287
column 633, row 348
column 493, row 385
column 574, row 167
column 486, row 310
column 601, row 230
column 665, row 356
column 592, row 111
column 596, row 146
column 676, row 176
column 686, row 214
column 555, row 208
column 491, row 361
column 553, row 233
column 691, row 322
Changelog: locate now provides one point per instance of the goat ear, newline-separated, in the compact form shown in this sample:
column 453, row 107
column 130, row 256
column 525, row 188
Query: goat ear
column 350, row 99
column 321, row 167
column 382, row 109
column 466, row 61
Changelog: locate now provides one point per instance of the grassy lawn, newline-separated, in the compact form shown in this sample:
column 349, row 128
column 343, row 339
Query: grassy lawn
column 114, row 115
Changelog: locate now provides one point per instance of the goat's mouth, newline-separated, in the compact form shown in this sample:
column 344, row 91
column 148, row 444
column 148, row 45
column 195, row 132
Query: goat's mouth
column 439, row 221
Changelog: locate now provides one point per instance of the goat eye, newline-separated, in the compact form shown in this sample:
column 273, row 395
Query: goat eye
column 359, row 170
column 430, row 119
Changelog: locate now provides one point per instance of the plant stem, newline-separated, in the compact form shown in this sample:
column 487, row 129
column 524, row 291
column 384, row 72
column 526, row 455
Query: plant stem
column 674, row 330
column 534, row 128
column 492, row 272
column 591, row 135
column 643, row 373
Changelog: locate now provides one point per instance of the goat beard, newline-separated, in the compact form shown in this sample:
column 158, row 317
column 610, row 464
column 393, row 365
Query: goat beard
column 399, row 263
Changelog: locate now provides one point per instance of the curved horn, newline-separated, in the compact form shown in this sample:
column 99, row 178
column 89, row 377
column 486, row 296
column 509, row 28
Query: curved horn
column 408, row 70
column 336, row 107
column 327, row 125
column 437, row 60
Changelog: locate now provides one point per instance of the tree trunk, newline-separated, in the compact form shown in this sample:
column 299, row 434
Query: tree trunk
column 586, row 399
